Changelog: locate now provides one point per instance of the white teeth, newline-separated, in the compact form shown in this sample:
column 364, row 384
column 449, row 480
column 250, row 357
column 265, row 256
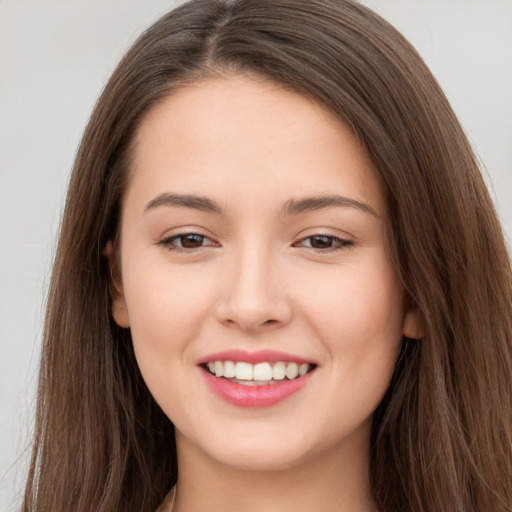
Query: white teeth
column 258, row 373
column 262, row 371
column 279, row 371
column 219, row 368
column 292, row 370
column 229, row 369
column 243, row 371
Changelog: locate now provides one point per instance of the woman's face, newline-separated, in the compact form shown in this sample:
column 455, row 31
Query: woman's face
column 253, row 239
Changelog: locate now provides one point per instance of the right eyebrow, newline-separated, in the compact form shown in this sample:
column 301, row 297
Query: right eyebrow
column 185, row 200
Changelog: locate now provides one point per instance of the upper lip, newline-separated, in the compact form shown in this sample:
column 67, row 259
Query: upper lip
column 260, row 356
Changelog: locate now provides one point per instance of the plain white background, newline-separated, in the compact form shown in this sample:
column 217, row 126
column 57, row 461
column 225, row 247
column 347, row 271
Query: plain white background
column 55, row 57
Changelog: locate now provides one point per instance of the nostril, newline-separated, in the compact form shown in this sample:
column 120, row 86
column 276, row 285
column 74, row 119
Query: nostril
column 251, row 324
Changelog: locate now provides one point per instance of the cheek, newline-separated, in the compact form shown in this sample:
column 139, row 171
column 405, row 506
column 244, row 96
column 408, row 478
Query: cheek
column 358, row 313
column 362, row 300
column 361, row 325
column 166, row 307
column 167, row 310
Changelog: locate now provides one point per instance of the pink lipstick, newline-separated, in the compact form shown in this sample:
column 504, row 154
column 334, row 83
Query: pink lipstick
column 255, row 379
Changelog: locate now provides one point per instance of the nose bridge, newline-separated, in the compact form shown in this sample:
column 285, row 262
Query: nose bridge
column 255, row 297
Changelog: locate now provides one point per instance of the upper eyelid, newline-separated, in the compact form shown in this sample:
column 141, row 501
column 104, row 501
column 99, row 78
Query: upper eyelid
column 177, row 232
column 343, row 241
column 344, row 236
column 187, row 233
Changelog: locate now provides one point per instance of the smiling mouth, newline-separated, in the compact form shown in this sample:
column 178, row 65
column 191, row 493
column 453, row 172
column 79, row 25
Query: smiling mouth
column 259, row 374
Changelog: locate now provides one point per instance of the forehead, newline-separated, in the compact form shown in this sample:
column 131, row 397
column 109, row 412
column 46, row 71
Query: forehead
column 249, row 136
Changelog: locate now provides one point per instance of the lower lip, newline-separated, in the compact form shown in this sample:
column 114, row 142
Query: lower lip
column 254, row 396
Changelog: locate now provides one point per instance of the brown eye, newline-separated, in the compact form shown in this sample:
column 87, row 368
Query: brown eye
column 187, row 242
column 321, row 242
column 191, row 241
column 324, row 242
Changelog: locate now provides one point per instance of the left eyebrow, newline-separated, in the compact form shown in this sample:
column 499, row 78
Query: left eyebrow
column 307, row 204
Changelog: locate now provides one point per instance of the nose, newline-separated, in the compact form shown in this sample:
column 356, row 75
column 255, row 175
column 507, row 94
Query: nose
column 254, row 293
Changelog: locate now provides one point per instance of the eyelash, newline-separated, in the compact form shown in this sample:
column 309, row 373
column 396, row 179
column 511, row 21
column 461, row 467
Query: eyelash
column 340, row 243
column 170, row 243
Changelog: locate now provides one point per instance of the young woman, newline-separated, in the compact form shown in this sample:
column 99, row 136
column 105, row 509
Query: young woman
column 280, row 283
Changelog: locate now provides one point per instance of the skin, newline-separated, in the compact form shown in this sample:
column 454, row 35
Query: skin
column 257, row 280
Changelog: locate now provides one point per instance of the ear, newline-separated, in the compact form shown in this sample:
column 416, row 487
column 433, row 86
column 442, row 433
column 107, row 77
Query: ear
column 413, row 324
column 119, row 310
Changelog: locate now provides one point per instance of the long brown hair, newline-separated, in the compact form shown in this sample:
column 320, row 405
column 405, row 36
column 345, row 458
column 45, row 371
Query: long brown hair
column 442, row 437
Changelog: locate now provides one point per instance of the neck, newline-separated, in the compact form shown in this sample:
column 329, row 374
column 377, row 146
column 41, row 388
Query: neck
column 337, row 481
